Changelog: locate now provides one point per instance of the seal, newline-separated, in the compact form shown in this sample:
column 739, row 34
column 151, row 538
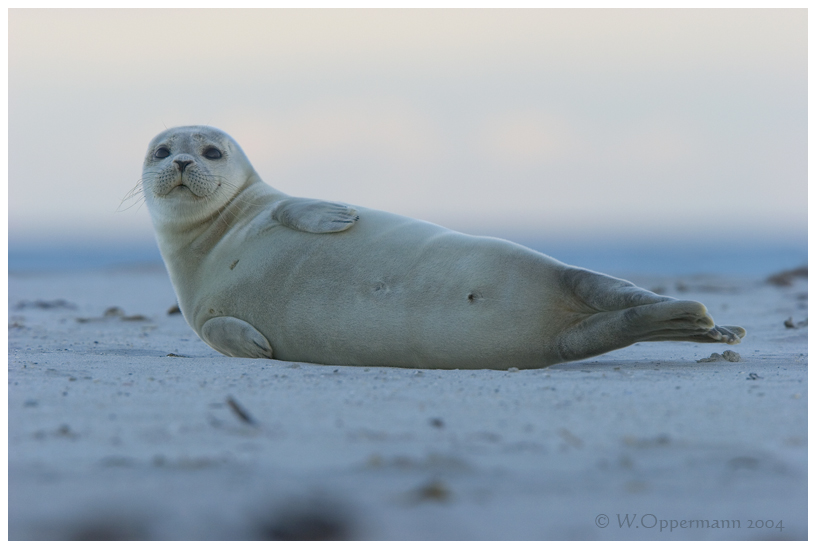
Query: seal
column 261, row 274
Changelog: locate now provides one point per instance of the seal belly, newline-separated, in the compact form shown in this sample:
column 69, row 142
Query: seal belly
column 414, row 295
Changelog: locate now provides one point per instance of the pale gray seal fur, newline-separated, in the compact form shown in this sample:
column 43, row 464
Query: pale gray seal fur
column 260, row 274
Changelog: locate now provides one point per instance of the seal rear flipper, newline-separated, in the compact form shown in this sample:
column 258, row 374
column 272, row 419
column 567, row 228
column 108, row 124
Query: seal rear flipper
column 237, row 338
column 314, row 216
column 670, row 320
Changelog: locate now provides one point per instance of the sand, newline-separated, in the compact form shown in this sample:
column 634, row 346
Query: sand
column 127, row 426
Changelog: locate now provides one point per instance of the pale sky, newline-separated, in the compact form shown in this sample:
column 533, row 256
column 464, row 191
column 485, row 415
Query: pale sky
column 559, row 123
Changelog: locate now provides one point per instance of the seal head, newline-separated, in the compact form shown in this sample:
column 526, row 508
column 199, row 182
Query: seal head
column 191, row 172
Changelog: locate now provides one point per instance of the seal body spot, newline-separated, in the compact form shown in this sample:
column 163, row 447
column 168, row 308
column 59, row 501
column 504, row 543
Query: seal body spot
column 329, row 283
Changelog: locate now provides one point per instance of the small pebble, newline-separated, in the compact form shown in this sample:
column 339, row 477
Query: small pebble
column 137, row 317
column 435, row 490
column 728, row 355
column 731, row 356
column 790, row 324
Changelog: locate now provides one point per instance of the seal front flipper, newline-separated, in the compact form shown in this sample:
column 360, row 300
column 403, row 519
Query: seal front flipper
column 237, row 338
column 314, row 216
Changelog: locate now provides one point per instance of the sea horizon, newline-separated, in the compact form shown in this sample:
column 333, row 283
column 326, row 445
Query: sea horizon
column 612, row 255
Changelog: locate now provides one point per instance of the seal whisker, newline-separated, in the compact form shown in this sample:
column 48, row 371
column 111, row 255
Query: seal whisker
column 136, row 193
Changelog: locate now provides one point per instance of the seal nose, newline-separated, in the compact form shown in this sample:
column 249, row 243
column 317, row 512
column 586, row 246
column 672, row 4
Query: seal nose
column 182, row 164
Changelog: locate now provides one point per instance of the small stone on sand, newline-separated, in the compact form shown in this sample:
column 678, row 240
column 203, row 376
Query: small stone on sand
column 728, row 355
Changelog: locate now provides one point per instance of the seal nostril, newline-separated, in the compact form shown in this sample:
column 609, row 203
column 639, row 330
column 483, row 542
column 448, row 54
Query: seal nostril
column 182, row 164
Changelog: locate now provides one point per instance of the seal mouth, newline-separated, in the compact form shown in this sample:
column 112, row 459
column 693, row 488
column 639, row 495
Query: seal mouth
column 184, row 191
column 179, row 187
column 180, row 191
column 184, row 186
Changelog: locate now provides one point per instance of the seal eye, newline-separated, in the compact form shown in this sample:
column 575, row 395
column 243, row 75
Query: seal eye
column 212, row 153
column 161, row 153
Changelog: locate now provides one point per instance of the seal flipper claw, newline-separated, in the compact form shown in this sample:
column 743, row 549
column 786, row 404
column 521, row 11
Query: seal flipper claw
column 237, row 338
column 739, row 332
column 314, row 216
column 730, row 334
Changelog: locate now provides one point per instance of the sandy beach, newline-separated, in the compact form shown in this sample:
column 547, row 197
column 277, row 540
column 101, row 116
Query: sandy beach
column 124, row 425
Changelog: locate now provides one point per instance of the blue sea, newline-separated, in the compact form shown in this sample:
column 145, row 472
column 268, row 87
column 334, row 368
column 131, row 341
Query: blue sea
column 751, row 259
